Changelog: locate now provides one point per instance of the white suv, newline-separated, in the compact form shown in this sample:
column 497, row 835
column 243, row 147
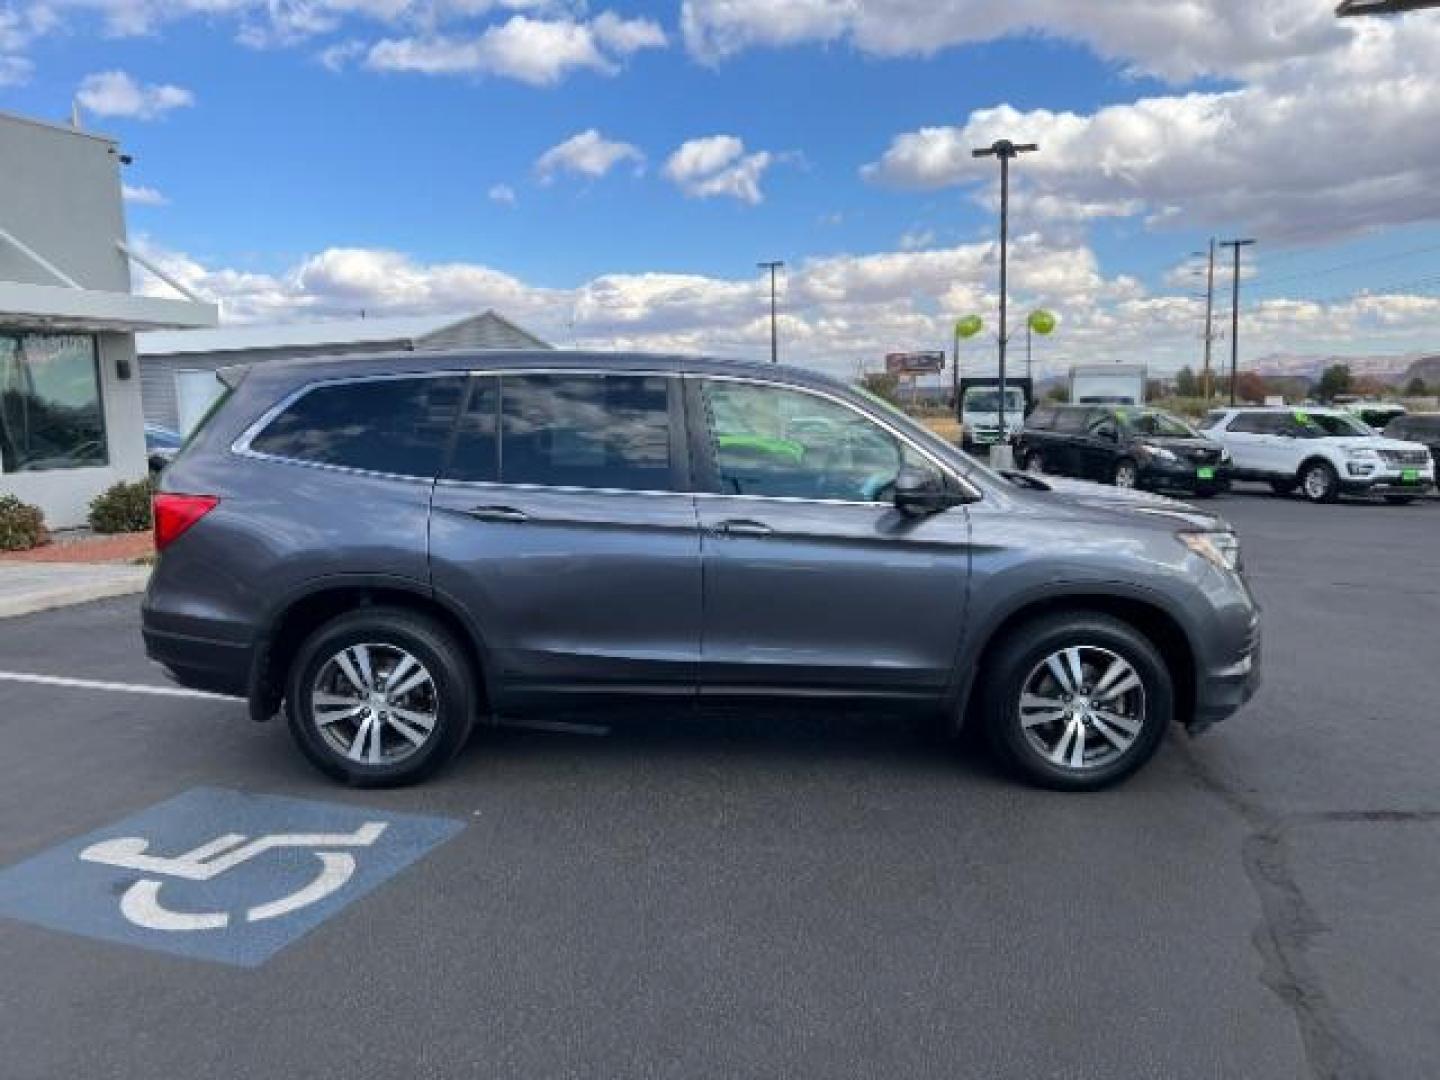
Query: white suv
column 1323, row 452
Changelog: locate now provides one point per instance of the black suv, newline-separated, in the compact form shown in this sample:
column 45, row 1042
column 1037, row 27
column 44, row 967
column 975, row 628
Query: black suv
column 1418, row 428
column 1122, row 445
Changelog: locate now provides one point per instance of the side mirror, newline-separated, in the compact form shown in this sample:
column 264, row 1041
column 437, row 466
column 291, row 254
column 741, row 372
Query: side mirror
column 920, row 491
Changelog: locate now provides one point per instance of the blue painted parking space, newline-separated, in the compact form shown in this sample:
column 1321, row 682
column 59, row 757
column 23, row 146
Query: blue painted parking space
column 217, row 875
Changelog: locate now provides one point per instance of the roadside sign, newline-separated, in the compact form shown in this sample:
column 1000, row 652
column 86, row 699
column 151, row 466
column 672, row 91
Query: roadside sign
column 914, row 363
column 217, row 875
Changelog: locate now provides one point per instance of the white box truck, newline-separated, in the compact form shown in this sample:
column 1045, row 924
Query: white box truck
column 1108, row 384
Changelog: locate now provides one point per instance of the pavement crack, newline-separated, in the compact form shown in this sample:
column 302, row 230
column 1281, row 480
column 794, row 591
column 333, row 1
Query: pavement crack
column 1389, row 817
column 1288, row 925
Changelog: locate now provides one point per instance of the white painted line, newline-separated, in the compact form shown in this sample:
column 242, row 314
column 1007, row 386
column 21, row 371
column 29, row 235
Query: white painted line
column 112, row 687
column 558, row 726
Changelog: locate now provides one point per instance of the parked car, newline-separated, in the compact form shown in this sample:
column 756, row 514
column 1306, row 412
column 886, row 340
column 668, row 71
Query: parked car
column 1375, row 414
column 394, row 547
column 1325, row 453
column 1120, row 445
column 161, row 446
column 1422, row 428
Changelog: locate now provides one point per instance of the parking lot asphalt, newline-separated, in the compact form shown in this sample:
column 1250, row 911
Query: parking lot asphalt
column 791, row 895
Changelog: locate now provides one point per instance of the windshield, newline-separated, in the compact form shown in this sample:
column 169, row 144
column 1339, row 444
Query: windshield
column 1154, row 422
column 989, row 400
column 1331, row 424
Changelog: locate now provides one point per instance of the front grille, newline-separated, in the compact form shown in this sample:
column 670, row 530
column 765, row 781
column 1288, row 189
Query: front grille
column 1418, row 456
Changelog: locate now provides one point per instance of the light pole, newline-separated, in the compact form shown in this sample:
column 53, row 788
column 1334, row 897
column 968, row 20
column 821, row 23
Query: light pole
column 1209, row 320
column 1235, row 313
column 1005, row 150
column 774, row 324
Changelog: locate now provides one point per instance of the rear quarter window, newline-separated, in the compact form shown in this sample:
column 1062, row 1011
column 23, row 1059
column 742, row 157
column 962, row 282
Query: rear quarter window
column 394, row 426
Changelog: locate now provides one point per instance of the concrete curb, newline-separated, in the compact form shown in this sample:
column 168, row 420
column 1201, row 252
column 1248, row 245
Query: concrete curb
column 44, row 588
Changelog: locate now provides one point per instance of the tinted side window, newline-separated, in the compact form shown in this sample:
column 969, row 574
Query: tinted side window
column 477, row 435
column 1070, row 421
column 1424, row 428
column 588, row 431
column 397, row 426
column 777, row 443
column 1250, row 424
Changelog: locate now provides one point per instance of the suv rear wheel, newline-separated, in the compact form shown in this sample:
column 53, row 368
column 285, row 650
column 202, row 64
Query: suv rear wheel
column 1127, row 474
column 1076, row 702
column 1319, row 482
column 1034, row 462
column 380, row 697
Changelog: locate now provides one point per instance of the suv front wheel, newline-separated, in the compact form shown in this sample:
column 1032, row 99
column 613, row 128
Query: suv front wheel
column 1076, row 702
column 1319, row 482
column 380, row 697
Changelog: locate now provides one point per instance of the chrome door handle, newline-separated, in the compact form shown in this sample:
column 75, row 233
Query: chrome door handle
column 496, row 513
column 743, row 528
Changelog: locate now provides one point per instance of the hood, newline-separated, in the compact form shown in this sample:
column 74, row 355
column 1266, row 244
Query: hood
column 1092, row 496
column 1372, row 442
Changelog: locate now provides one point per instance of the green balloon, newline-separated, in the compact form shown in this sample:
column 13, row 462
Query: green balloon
column 1042, row 321
column 969, row 326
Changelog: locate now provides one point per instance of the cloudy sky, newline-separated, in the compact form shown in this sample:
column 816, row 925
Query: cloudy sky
column 609, row 173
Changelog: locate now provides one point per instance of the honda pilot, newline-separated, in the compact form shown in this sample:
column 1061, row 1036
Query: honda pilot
column 391, row 549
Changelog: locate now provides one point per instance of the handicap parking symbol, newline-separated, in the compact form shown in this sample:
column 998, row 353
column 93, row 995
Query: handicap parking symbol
column 217, row 875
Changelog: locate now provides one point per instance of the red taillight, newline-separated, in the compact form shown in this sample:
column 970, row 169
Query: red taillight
column 176, row 513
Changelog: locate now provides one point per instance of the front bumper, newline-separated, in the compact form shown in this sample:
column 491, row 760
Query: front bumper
column 1184, row 475
column 1221, row 691
column 1389, row 481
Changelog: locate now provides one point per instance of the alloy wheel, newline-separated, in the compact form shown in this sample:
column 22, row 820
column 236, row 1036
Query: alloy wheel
column 374, row 704
column 1317, row 483
column 1125, row 475
column 1082, row 707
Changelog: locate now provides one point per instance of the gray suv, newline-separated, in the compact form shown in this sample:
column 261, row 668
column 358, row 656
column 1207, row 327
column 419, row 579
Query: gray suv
column 394, row 548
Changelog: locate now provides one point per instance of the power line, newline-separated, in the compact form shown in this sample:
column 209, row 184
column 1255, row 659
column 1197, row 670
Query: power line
column 1266, row 284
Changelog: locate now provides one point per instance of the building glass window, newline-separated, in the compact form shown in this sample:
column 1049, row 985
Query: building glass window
column 51, row 412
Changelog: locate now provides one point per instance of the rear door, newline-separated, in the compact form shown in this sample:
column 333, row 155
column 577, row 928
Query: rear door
column 1249, row 444
column 814, row 582
column 1062, row 447
column 565, row 527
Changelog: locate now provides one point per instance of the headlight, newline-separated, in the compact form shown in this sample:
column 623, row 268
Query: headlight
column 1361, row 453
column 1159, row 452
column 1221, row 549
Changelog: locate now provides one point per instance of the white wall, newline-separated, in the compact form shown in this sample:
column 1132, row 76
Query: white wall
column 65, row 494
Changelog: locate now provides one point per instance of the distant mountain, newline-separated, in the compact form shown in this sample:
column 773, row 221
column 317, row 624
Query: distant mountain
column 1426, row 369
column 1389, row 368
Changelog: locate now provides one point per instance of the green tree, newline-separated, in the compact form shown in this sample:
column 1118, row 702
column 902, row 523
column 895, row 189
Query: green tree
column 883, row 385
column 1416, row 388
column 1186, row 384
column 1335, row 379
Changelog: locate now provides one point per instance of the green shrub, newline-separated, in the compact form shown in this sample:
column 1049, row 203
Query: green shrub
column 122, row 508
column 22, row 526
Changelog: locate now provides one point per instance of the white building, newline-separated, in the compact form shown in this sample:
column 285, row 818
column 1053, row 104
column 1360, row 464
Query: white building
column 178, row 368
column 71, row 422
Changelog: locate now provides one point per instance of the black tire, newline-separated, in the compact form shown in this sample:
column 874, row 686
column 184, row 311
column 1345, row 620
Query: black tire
column 1206, row 492
column 1399, row 500
column 1023, row 649
column 1033, row 461
column 425, row 639
column 1122, row 467
column 1319, row 482
column 1284, row 487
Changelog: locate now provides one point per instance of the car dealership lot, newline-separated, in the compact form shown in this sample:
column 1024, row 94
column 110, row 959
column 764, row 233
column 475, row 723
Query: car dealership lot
column 768, row 894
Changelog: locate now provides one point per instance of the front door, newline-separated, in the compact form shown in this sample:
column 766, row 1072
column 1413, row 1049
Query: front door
column 564, row 527
column 813, row 581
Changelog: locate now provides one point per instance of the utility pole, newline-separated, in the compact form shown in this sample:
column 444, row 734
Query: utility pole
column 1235, row 313
column 955, row 370
column 774, row 323
column 1205, row 384
column 1005, row 150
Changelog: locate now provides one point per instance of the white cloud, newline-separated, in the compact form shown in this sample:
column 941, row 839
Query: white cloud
column 116, row 93
column 503, row 194
column 541, row 52
column 140, row 195
column 586, row 154
column 838, row 312
column 339, row 56
column 1175, row 39
column 718, row 165
column 1313, row 149
column 15, row 70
